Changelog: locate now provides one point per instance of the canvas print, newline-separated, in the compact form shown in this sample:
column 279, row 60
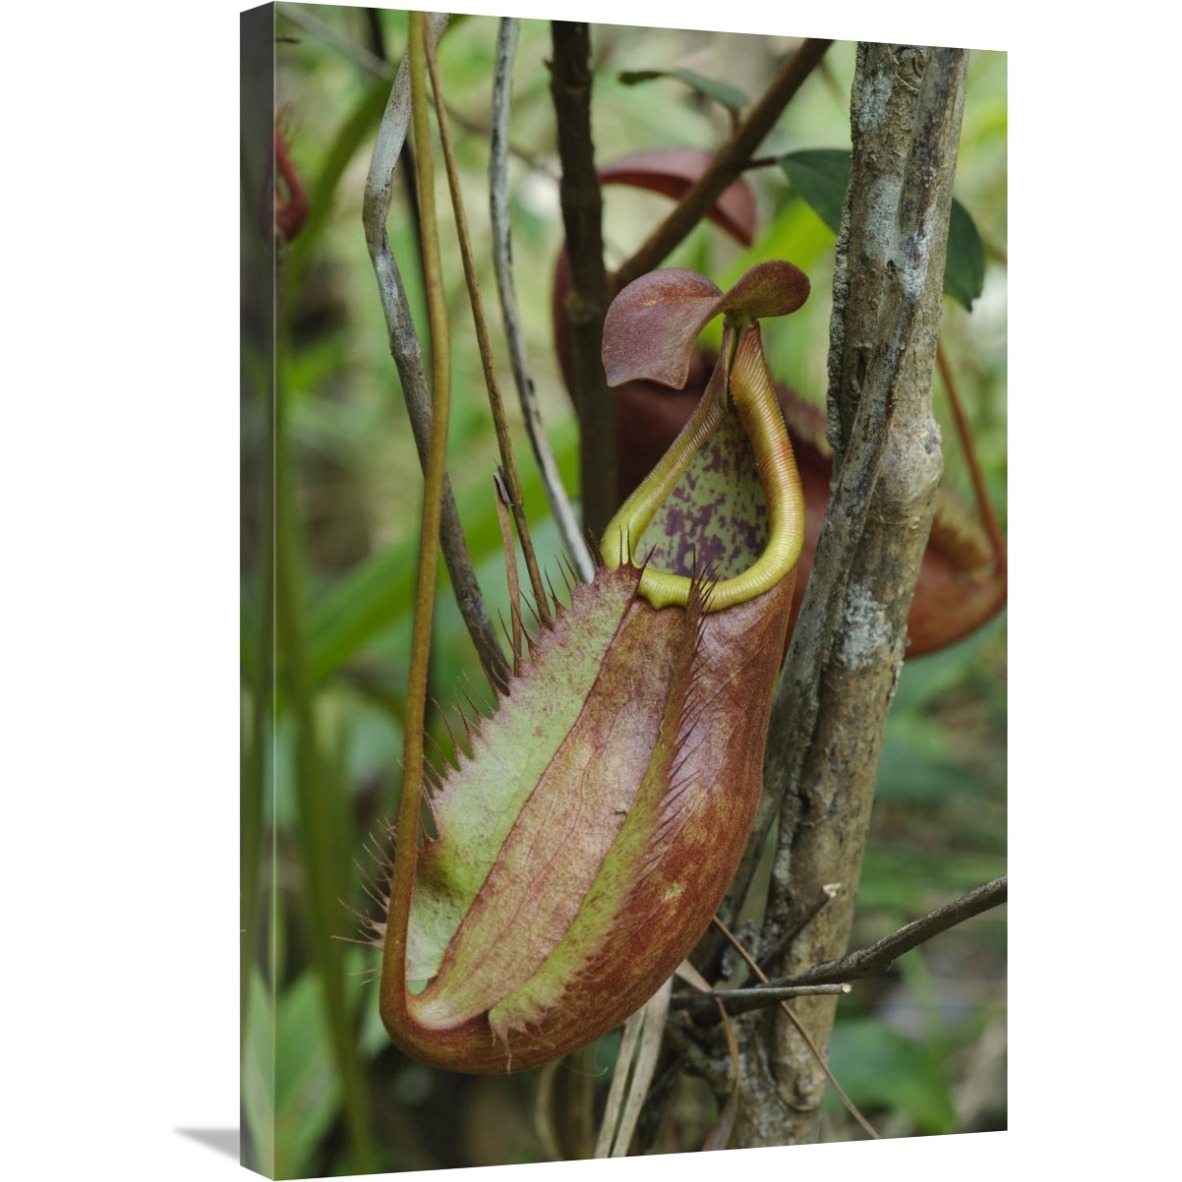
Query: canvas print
column 623, row 583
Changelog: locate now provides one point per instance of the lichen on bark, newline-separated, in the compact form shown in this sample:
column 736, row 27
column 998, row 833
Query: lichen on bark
column 830, row 714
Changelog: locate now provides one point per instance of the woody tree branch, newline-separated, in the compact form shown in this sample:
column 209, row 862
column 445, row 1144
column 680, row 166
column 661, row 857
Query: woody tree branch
column 830, row 714
column 729, row 163
column 586, row 305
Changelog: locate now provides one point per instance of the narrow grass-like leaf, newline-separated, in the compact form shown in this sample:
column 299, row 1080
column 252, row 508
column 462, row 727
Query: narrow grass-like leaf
column 729, row 96
column 320, row 796
column 379, row 591
column 307, row 1085
column 258, row 1079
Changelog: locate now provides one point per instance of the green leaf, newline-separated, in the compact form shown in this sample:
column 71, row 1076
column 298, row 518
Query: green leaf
column 964, row 271
column 307, row 1086
column 355, row 609
column 881, row 1068
column 722, row 92
column 258, row 1080
column 821, row 176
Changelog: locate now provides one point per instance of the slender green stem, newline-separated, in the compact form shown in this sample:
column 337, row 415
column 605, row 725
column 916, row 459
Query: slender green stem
column 393, row 981
column 495, row 401
column 984, row 505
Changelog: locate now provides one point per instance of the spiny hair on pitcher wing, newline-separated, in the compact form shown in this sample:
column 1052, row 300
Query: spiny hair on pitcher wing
column 577, row 861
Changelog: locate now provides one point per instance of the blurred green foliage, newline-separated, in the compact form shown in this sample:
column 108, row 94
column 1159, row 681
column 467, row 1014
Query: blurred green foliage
column 323, row 1090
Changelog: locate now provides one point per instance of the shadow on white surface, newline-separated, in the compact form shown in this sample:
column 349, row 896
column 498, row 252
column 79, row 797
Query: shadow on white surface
column 225, row 1141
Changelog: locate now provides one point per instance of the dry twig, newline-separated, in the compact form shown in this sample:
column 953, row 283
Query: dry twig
column 407, row 354
column 560, row 505
column 880, row 955
column 818, row 1058
column 495, row 402
column 631, row 1082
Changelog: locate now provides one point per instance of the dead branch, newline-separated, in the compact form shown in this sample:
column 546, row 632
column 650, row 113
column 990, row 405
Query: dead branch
column 879, row 956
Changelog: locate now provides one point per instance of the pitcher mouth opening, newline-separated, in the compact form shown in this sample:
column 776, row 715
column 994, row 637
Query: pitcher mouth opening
column 741, row 386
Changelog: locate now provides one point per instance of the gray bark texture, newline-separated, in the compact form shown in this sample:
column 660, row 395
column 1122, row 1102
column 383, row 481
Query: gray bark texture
column 830, row 714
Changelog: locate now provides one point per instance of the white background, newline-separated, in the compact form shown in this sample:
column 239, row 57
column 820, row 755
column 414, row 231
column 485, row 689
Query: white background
column 119, row 597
